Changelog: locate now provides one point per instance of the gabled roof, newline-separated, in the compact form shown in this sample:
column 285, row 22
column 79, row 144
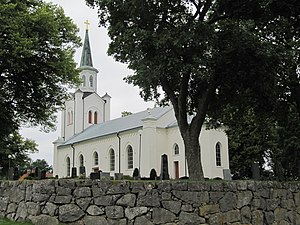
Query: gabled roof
column 117, row 125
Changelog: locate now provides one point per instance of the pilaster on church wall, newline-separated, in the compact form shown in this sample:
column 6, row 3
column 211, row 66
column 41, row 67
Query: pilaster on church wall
column 149, row 145
column 56, row 143
column 106, row 98
column 68, row 126
column 78, row 112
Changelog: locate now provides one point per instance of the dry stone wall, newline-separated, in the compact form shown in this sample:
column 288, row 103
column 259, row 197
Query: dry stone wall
column 97, row 202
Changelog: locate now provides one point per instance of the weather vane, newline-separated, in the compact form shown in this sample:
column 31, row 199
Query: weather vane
column 87, row 24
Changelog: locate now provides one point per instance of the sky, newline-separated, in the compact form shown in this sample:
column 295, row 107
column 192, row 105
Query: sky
column 125, row 97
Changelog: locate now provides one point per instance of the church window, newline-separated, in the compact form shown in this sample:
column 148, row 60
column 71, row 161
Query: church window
column 95, row 117
column 71, row 117
column 68, row 118
column 218, row 154
column 68, row 166
column 112, row 160
column 81, row 160
column 96, row 158
column 90, row 117
column 91, row 81
column 83, row 81
column 176, row 149
column 129, row 157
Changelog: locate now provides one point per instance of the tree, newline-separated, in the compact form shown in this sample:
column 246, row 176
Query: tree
column 125, row 113
column 272, row 128
column 15, row 152
column 194, row 50
column 42, row 165
column 36, row 63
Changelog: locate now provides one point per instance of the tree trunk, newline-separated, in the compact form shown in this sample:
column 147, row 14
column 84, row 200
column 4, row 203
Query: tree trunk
column 193, row 154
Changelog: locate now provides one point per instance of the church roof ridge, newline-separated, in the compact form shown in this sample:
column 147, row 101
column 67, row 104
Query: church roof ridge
column 114, row 126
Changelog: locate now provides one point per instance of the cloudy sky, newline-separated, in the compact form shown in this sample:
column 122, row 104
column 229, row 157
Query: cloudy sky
column 125, row 97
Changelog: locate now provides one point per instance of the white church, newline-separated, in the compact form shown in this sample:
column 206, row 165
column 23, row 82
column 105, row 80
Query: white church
column 90, row 139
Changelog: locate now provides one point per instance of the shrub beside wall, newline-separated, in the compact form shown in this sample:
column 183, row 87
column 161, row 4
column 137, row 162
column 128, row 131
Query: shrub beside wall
column 144, row 203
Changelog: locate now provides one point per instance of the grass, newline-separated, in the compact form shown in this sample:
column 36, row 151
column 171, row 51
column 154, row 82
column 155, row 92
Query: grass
column 9, row 222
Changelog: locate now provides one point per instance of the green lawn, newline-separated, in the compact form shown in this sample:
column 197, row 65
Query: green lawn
column 9, row 222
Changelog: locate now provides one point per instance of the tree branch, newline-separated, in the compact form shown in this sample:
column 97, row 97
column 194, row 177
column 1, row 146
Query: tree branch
column 182, row 99
column 205, row 9
column 203, row 103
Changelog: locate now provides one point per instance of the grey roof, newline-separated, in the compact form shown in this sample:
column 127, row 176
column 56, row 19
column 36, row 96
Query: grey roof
column 117, row 125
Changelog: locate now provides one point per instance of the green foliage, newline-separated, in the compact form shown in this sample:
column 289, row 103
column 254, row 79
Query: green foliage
column 36, row 50
column 42, row 165
column 125, row 113
column 209, row 57
column 17, row 148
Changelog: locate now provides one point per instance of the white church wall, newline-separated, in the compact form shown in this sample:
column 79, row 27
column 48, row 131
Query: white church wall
column 68, row 125
column 129, row 138
column 174, row 137
column 94, row 103
column 78, row 104
column 208, row 140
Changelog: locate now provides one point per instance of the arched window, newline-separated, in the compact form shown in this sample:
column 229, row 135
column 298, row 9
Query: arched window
column 129, row 157
column 68, row 166
column 83, row 81
column 176, row 149
column 91, row 81
column 112, row 160
column 218, row 154
column 90, row 117
column 95, row 117
column 81, row 160
column 96, row 158
column 68, row 118
column 71, row 117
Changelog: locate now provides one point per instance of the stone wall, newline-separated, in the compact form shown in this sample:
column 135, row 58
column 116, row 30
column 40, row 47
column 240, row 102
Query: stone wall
column 100, row 202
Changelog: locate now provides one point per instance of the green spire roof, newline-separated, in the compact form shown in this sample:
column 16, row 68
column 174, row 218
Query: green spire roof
column 86, row 57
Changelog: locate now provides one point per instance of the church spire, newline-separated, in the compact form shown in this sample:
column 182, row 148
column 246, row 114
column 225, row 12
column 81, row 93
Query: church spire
column 86, row 56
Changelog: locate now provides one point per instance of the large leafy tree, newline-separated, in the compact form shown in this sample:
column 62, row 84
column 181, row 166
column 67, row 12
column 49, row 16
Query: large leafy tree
column 36, row 62
column 266, row 125
column 202, row 54
column 15, row 152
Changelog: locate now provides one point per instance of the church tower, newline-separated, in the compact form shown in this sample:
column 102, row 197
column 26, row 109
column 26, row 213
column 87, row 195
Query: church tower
column 86, row 107
column 88, row 73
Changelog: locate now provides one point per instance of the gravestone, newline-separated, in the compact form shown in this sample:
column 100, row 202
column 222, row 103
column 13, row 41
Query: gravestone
column 82, row 170
column 37, row 173
column 74, row 172
column 153, row 174
column 43, row 174
column 94, row 175
column 226, row 174
column 105, row 176
column 164, row 175
column 136, row 174
column 16, row 173
column 255, row 171
column 11, row 173
column 118, row 176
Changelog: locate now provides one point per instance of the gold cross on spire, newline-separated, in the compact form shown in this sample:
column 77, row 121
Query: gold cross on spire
column 87, row 24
